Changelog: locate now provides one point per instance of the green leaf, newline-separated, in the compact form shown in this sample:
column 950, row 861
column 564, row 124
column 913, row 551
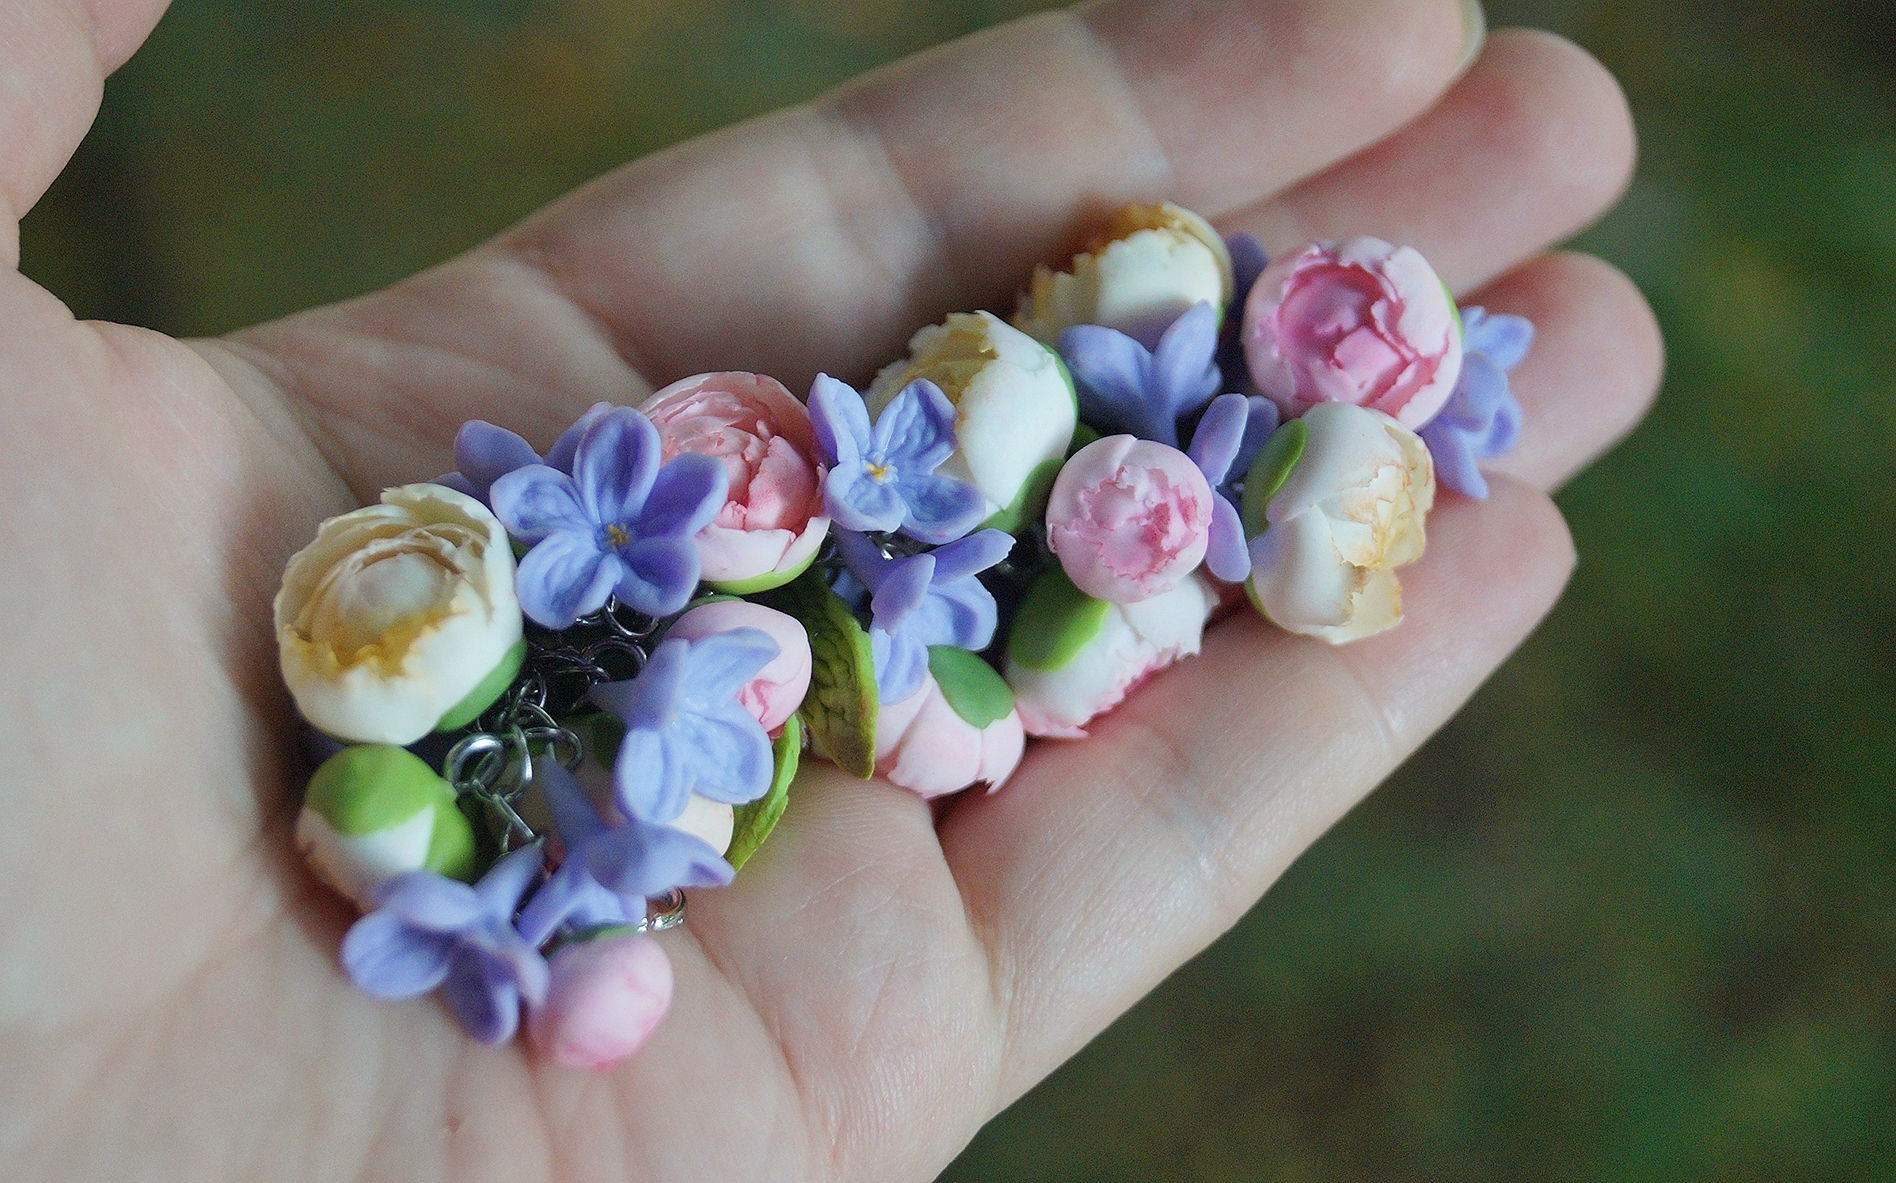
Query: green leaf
column 970, row 686
column 755, row 820
column 1031, row 502
column 840, row 708
column 488, row 692
column 1268, row 473
column 1055, row 622
column 1083, row 434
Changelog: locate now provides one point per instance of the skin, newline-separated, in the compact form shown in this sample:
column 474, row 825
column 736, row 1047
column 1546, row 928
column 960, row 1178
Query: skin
column 881, row 980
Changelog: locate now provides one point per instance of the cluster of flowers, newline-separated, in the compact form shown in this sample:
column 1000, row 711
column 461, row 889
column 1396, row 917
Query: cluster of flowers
column 1002, row 536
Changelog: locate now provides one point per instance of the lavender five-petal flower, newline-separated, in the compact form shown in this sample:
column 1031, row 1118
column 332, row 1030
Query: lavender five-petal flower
column 685, row 730
column 1482, row 418
column 1228, row 427
column 432, row 931
column 1125, row 387
column 609, row 871
column 483, row 453
column 620, row 525
column 882, row 477
column 922, row 600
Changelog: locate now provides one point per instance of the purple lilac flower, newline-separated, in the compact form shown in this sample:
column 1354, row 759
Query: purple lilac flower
column 483, row 453
column 1124, row 387
column 620, row 525
column 432, row 931
column 610, row 871
column 1248, row 261
column 883, row 477
column 685, row 730
column 1482, row 418
column 922, row 600
column 1225, row 442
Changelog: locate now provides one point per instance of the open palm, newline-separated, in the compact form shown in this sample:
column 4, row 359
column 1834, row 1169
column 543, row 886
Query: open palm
column 881, row 979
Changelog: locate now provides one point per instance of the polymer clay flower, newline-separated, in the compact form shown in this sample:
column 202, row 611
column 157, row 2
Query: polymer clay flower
column 1349, row 513
column 374, row 812
column 686, row 732
column 1014, row 405
column 1071, row 659
column 923, row 600
column 772, row 520
column 1482, row 418
column 1148, row 265
column 620, row 525
column 606, row 997
column 1125, row 387
column 483, row 453
column 1129, row 518
column 926, row 746
column 1225, row 442
column 778, row 689
column 400, row 617
column 882, row 476
column 1361, row 322
column 432, row 931
column 609, row 871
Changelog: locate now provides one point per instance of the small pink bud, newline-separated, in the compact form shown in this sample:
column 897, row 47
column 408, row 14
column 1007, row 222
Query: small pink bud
column 607, row 996
column 1129, row 518
column 777, row 690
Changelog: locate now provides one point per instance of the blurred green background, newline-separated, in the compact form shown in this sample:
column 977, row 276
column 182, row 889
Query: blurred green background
column 1633, row 915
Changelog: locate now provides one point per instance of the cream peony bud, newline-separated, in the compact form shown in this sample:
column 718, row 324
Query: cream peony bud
column 391, row 621
column 1350, row 512
column 1149, row 265
column 377, row 811
column 1014, row 404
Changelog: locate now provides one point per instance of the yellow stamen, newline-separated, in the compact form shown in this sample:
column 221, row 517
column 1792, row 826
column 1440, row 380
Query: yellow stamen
column 879, row 471
column 617, row 535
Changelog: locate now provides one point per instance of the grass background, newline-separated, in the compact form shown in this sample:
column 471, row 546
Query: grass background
column 1633, row 914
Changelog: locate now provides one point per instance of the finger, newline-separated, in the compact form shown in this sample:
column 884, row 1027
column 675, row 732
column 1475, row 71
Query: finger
column 822, row 236
column 1108, row 862
column 54, row 56
column 1530, row 146
column 1592, row 371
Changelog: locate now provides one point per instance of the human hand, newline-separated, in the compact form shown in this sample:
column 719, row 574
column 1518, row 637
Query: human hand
column 880, row 980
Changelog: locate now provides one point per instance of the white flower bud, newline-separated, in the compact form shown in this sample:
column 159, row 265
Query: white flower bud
column 1149, row 265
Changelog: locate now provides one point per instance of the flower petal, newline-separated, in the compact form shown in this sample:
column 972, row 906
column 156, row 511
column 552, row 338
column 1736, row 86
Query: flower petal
column 863, row 558
column 725, row 753
column 1184, row 370
column 554, row 902
column 484, row 996
column 1219, row 434
column 641, row 860
column 857, row 501
column 960, row 612
column 940, row 509
column 389, row 959
column 615, row 464
column 507, row 880
column 644, row 702
column 574, row 818
column 903, row 587
column 564, row 577
column 1111, row 372
column 1226, row 554
column 840, row 419
column 657, row 575
column 430, row 901
column 484, row 453
column 916, row 431
column 1259, row 425
column 971, row 555
column 901, row 664
column 721, row 664
column 647, row 782
column 537, row 501
column 564, row 449
column 1505, row 339
column 687, row 494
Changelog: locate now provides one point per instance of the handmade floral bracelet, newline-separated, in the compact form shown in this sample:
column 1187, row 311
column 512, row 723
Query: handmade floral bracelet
column 548, row 694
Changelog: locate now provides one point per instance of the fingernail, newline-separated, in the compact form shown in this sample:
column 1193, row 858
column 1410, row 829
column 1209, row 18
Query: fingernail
column 1474, row 32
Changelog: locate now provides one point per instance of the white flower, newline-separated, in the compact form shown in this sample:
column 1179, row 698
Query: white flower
column 397, row 613
column 1350, row 513
column 1014, row 405
column 1133, row 642
column 1149, row 265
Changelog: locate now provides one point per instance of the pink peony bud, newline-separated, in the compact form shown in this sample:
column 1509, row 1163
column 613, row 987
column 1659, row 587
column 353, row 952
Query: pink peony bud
column 772, row 521
column 1364, row 323
column 777, row 690
column 1129, row 518
column 606, row 997
column 925, row 747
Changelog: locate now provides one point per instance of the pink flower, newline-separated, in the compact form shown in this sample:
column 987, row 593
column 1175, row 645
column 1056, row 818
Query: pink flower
column 606, row 997
column 1363, row 322
column 925, row 747
column 772, row 521
column 1129, row 518
column 1134, row 643
column 777, row 690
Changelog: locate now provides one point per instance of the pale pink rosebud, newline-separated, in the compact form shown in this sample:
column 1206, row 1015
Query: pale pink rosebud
column 777, row 690
column 1129, row 518
column 1133, row 643
column 606, row 997
column 925, row 747
column 772, row 521
column 1363, row 322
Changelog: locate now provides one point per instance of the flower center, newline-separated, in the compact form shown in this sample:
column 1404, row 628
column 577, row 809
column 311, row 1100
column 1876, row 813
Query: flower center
column 878, row 471
column 616, row 535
